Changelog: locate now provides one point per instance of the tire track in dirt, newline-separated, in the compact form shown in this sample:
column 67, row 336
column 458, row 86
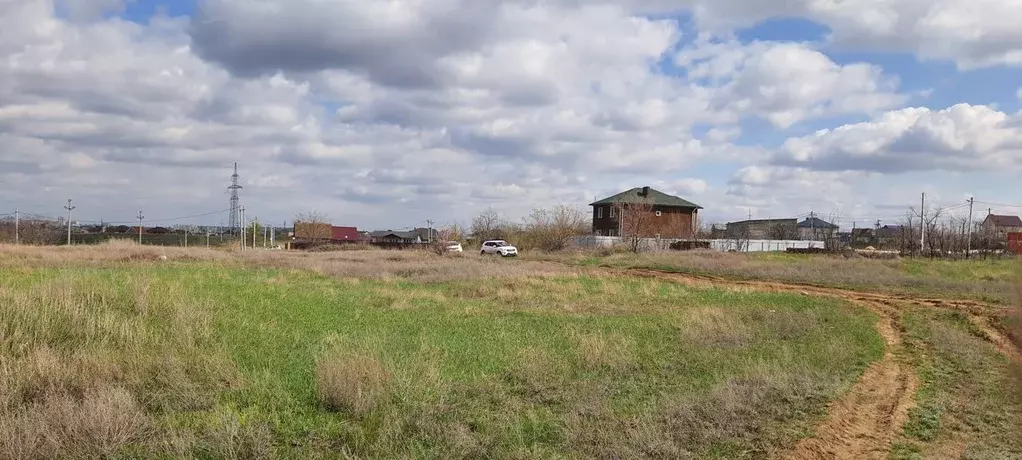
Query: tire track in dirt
column 863, row 423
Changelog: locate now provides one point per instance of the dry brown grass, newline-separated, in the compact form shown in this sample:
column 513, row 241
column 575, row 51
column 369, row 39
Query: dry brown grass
column 86, row 367
column 715, row 327
column 599, row 350
column 351, row 265
column 96, row 426
column 991, row 280
column 113, row 251
column 350, row 382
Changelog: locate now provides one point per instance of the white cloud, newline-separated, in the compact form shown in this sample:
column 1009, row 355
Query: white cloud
column 962, row 137
column 788, row 82
column 972, row 33
column 447, row 107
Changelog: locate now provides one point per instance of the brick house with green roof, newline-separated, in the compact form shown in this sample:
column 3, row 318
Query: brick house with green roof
column 647, row 212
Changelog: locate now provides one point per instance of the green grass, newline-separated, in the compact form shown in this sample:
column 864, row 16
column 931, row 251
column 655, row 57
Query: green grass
column 968, row 394
column 222, row 363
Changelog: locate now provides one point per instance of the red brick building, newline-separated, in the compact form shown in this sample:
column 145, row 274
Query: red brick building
column 646, row 213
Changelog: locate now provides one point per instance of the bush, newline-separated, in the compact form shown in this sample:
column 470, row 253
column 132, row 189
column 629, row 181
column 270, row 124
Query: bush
column 350, row 382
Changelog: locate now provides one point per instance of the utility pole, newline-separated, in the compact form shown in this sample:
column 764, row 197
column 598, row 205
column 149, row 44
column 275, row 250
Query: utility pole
column 968, row 244
column 17, row 226
column 922, row 224
column 207, row 240
column 140, row 217
column 243, row 229
column 429, row 229
column 186, row 238
column 69, row 208
column 266, row 232
column 876, row 235
column 812, row 224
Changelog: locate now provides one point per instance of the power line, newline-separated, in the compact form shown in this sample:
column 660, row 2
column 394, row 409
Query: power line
column 1000, row 204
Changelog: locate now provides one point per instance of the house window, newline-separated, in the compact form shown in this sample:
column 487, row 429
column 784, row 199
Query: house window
column 612, row 232
column 599, row 212
column 613, row 212
column 659, row 213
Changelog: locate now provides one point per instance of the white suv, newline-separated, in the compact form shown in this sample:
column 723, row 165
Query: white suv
column 499, row 247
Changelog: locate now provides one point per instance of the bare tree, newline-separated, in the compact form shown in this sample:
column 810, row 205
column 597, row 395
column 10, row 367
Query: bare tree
column 737, row 238
column 488, row 226
column 782, row 232
column 554, row 229
column 312, row 225
column 444, row 237
column 637, row 222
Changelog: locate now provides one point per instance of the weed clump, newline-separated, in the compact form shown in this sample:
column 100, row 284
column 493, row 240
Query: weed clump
column 350, row 382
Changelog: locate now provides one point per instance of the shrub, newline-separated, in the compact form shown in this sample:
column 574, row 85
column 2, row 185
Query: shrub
column 350, row 382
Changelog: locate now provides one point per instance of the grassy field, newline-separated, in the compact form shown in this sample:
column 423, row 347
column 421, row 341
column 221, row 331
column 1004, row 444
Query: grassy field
column 990, row 280
column 969, row 404
column 112, row 352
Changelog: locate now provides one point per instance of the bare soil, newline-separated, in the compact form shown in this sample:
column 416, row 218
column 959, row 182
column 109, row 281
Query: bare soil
column 863, row 423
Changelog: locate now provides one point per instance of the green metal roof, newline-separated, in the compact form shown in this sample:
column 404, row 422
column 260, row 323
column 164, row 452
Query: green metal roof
column 655, row 197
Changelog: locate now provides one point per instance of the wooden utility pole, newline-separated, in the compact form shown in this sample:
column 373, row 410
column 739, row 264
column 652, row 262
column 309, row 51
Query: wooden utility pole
column 968, row 245
column 69, row 208
column 243, row 229
column 922, row 224
column 140, row 217
column 17, row 226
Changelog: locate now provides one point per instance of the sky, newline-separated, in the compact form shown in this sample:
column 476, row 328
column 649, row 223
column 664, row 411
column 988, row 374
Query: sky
column 387, row 114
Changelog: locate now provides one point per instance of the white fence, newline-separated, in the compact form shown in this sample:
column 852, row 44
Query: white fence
column 725, row 245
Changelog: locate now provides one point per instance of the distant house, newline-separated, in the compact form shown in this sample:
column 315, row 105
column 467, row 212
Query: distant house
column 1001, row 226
column 392, row 237
column 314, row 233
column 816, row 229
column 645, row 212
column 345, row 234
column 861, row 236
column 763, row 229
column 427, row 234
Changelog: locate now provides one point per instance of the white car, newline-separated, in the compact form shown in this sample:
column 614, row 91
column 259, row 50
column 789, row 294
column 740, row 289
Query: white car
column 453, row 246
column 499, row 247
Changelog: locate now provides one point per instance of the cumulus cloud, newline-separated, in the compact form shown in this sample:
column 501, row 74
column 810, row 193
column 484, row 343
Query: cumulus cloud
column 961, row 137
column 969, row 32
column 788, row 82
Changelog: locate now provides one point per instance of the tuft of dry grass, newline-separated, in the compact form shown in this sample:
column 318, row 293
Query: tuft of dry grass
column 350, row 382
column 96, row 426
column 598, row 350
column 716, row 327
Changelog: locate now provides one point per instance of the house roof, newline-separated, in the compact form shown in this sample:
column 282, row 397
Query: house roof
column 344, row 233
column 655, row 197
column 386, row 233
column 1003, row 221
column 816, row 222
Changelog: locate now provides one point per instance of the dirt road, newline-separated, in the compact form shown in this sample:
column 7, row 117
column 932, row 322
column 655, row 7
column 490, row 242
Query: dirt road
column 863, row 423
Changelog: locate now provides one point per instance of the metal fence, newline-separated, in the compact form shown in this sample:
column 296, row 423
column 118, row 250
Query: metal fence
column 723, row 245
